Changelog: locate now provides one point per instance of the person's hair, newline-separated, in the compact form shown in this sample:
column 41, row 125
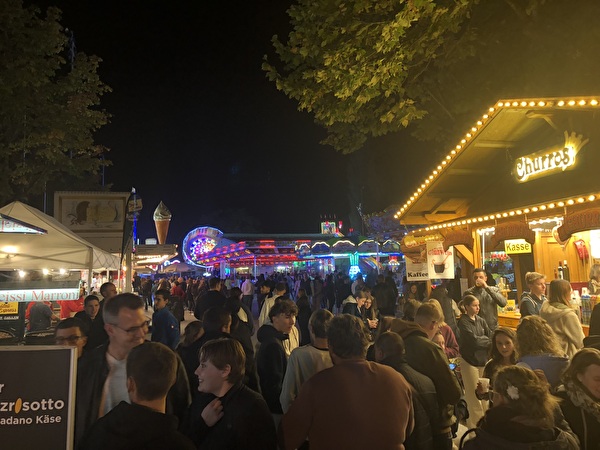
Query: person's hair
column 112, row 306
column 301, row 292
column 72, row 322
column 365, row 292
column 428, row 312
column 283, row 306
column 191, row 333
column 384, row 325
column 595, row 272
column 104, row 287
column 215, row 318
column 532, row 277
column 536, row 337
column 280, row 287
column 348, row 337
column 235, row 292
column 153, row 367
column 164, row 293
column 479, row 270
column 560, row 292
column 583, row 359
column 468, row 300
column 526, row 393
column 90, row 298
column 225, row 352
column 438, row 293
column 437, row 304
column 213, row 283
column 319, row 322
column 410, row 309
column 494, row 353
column 390, row 344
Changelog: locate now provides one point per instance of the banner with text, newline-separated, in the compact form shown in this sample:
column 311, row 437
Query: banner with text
column 416, row 269
column 37, row 393
column 440, row 262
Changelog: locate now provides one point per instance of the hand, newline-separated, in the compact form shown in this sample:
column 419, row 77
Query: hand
column 479, row 389
column 372, row 323
column 481, row 283
column 213, row 412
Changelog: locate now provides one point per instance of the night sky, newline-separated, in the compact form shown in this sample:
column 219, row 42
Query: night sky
column 196, row 124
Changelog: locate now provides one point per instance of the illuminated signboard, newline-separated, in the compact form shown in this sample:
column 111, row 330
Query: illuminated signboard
column 549, row 161
column 514, row 246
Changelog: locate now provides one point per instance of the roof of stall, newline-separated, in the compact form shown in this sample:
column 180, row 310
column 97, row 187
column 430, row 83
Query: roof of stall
column 476, row 177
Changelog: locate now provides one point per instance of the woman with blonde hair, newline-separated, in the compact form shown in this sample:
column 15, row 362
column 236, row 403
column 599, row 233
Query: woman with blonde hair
column 531, row 301
column 580, row 397
column 451, row 347
column 562, row 318
column 523, row 416
column 538, row 348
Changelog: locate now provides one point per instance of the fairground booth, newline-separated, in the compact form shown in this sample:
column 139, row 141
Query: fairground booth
column 518, row 193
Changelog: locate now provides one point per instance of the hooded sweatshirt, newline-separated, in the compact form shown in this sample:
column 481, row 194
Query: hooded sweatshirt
column 350, row 306
column 565, row 323
column 271, row 362
column 135, row 427
column 429, row 359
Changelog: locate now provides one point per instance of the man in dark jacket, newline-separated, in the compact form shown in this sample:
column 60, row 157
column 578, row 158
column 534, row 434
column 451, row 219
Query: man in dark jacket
column 389, row 351
column 143, row 423
column 384, row 294
column 126, row 326
column 230, row 415
column 165, row 327
column 429, row 359
column 271, row 360
column 211, row 299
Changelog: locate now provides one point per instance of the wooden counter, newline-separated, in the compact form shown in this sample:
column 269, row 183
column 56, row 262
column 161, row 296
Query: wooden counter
column 511, row 320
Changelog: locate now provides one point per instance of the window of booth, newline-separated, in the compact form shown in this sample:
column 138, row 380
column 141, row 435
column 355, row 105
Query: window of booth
column 497, row 263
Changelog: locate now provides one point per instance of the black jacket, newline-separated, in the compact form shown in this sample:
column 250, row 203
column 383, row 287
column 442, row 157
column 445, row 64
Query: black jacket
column 429, row 359
column 210, row 299
column 135, row 427
column 271, row 363
column 246, row 422
column 386, row 300
column 474, row 340
column 425, row 406
column 92, row 371
column 583, row 424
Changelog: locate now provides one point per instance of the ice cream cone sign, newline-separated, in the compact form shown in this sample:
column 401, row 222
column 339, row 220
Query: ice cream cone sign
column 162, row 219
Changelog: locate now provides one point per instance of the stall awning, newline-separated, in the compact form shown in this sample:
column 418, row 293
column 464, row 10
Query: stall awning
column 484, row 172
column 58, row 248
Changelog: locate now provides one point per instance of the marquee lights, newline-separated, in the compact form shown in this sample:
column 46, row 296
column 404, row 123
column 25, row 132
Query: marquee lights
column 481, row 122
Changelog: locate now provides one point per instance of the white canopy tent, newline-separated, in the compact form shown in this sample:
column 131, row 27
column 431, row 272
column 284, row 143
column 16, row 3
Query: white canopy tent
column 58, row 248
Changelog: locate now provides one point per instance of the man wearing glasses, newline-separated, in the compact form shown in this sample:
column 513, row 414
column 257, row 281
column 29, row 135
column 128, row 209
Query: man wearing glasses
column 102, row 377
column 71, row 332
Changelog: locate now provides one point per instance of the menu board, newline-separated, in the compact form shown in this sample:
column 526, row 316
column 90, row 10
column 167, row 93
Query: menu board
column 37, row 397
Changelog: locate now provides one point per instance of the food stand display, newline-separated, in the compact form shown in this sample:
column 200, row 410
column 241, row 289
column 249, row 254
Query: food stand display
column 522, row 183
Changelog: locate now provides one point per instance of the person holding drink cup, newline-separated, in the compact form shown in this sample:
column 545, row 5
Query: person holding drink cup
column 502, row 353
column 474, row 342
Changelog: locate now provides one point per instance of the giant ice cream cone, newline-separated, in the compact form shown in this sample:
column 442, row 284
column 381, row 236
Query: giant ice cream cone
column 162, row 219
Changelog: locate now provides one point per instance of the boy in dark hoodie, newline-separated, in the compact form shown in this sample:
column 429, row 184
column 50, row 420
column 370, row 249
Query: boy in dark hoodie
column 271, row 360
column 143, row 424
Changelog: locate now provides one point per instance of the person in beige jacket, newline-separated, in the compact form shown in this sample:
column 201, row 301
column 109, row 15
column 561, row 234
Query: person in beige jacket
column 562, row 318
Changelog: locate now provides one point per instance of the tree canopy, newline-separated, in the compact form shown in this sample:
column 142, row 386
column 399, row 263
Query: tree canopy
column 366, row 68
column 49, row 106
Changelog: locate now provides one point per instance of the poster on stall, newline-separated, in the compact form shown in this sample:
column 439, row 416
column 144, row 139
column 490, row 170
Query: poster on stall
column 37, row 393
column 440, row 262
column 416, row 269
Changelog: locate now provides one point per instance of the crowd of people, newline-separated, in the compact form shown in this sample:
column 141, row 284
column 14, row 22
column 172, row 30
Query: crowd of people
column 368, row 369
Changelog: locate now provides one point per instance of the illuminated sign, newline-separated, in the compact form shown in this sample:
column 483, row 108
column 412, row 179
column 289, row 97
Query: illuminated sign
column 38, row 295
column 514, row 246
column 549, row 161
column 11, row 225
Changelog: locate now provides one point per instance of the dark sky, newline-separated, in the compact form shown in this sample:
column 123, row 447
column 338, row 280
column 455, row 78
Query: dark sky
column 196, row 124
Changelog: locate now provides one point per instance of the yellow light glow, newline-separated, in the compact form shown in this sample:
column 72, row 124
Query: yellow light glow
column 526, row 210
column 515, row 103
column 580, row 200
column 22, row 274
column 479, row 122
column 504, row 214
column 543, row 207
column 444, row 163
column 519, row 212
column 423, row 186
column 469, row 135
column 10, row 249
column 485, row 116
column 435, row 172
column 463, row 141
column 479, row 219
column 431, row 177
column 412, row 198
column 453, row 152
column 512, row 213
column 561, row 204
column 500, row 105
column 62, row 271
column 485, row 218
column 419, row 190
column 439, row 167
column 448, row 158
column 531, row 103
column 498, row 216
column 426, row 181
column 534, row 209
column 473, row 129
column 45, row 271
column 593, row 102
column 561, row 103
column 571, row 102
column 541, row 103
column 581, row 102
column 570, row 202
column 523, row 103
column 468, row 220
column 464, row 222
column 591, row 198
column 551, row 205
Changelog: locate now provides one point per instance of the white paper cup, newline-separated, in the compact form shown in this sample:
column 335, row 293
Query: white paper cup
column 485, row 384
